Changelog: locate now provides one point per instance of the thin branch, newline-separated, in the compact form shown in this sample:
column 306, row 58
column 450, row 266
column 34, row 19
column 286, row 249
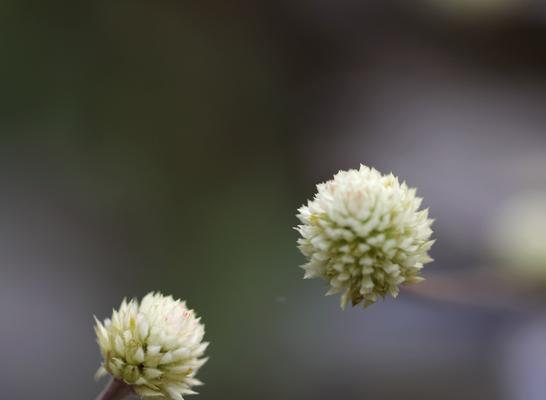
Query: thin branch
column 479, row 288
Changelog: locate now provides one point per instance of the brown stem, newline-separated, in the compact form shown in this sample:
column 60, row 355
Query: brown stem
column 115, row 390
column 477, row 288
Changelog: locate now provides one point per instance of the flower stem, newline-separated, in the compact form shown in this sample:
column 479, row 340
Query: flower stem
column 115, row 390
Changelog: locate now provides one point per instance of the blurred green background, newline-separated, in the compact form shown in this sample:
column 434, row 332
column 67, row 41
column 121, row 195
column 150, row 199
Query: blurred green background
column 167, row 145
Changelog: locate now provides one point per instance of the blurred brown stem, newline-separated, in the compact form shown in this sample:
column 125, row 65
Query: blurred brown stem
column 483, row 289
column 115, row 390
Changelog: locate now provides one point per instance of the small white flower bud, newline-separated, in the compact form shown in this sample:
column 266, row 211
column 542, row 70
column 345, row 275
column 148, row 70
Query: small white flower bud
column 156, row 347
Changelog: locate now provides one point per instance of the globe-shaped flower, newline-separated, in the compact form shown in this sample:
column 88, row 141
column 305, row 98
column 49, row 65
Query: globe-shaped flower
column 364, row 234
column 156, row 347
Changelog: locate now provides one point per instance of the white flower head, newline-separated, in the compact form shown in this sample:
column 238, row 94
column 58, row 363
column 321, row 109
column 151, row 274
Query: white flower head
column 156, row 346
column 364, row 234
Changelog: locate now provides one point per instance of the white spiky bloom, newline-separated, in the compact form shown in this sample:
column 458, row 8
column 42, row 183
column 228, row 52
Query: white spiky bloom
column 364, row 234
column 155, row 347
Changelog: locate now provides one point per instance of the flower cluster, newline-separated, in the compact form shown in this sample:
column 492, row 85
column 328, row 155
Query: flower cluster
column 364, row 234
column 155, row 347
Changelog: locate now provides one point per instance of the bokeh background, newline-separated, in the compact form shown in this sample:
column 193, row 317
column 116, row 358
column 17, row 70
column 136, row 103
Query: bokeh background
column 167, row 145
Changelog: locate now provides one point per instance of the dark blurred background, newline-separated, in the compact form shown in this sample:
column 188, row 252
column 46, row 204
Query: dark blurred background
column 167, row 145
